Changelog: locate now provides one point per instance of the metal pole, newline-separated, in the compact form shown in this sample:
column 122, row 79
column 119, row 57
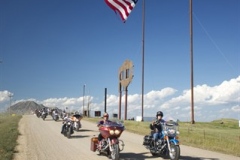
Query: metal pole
column 105, row 101
column 120, row 101
column 83, row 99
column 126, row 94
column 88, row 106
column 143, row 29
column 191, row 56
column 0, row 75
column 10, row 102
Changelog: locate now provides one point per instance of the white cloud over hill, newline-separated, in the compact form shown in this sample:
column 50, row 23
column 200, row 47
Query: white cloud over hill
column 210, row 102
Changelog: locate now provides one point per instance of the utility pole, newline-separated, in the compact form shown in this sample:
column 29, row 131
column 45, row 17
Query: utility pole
column 88, row 105
column 83, row 99
column 143, row 49
column 0, row 75
column 191, row 61
column 105, row 100
column 10, row 95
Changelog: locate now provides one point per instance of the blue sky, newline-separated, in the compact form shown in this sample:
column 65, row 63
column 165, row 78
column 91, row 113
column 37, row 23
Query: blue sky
column 50, row 49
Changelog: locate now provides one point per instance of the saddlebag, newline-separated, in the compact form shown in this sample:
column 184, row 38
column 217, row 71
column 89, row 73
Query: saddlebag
column 147, row 140
column 94, row 143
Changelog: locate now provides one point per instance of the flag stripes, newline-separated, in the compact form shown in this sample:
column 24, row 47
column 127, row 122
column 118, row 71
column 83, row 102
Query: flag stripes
column 124, row 7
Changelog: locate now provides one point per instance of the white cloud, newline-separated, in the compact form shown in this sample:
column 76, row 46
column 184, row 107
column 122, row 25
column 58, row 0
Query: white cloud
column 210, row 102
column 5, row 96
column 236, row 108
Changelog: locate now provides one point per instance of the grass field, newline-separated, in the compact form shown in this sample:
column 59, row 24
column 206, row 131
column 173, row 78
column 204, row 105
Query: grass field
column 8, row 135
column 224, row 138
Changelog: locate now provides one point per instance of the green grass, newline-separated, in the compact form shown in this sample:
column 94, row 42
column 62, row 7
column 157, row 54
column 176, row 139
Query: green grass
column 224, row 138
column 214, row 136
column 8, row 135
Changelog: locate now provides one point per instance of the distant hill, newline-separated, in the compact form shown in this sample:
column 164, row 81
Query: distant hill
column 26, row 107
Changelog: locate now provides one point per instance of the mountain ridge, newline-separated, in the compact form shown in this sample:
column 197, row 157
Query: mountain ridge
column 25, row 107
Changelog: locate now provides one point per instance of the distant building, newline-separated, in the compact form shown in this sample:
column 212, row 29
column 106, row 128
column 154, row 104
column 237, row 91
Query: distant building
column 145, row 119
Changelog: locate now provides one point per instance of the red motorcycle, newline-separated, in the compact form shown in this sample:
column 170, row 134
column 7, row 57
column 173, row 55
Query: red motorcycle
column 110, row 144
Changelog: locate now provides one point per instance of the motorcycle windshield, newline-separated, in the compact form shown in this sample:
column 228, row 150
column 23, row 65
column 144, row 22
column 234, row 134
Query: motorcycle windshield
column 111, row 129
column 171, row 128
column 77, row 116
column 113, row 124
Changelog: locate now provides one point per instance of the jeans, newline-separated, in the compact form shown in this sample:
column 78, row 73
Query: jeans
column 157, row 136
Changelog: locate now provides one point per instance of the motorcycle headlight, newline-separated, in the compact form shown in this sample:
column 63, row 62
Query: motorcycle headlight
column 111, row 132
column 165, row 132
column 171, row 131
column 117, row 132
column 69, row 123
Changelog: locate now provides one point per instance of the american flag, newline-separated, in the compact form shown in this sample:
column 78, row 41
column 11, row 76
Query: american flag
column 124, row 7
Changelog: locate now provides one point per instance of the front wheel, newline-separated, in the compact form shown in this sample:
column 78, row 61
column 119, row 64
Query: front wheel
column 153, row 153
column 174, row 154
column 69, row 132
column 115, row 152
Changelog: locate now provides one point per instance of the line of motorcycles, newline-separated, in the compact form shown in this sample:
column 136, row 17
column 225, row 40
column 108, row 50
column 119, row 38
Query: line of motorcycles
column 167, row 146
column 43, row 113
column 70, row 124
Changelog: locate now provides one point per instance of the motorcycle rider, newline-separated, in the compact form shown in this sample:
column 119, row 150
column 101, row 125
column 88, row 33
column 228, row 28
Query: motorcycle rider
column 76, row 117
column 65, row 120
column 156, row 127
column 63, row 114
column 104, row 121
column 54, row 112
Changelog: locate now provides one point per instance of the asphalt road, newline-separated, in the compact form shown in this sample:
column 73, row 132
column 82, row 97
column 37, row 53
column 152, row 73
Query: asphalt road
column 42, row 140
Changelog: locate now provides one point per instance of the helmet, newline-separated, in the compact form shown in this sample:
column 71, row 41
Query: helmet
column 159, row 113
column 105, row 115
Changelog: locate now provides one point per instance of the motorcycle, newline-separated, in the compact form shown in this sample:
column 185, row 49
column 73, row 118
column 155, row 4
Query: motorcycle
column 44, row 115
column 77, row 122
column 168, row 144
column 63, row 114
column 110, row 144
column 68, row 128
column 38, row 113
column 55, row 116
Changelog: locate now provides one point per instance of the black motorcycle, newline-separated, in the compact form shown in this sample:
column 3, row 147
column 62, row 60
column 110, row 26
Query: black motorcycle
column 67, row 128
column 44, row 115
column 55, row 116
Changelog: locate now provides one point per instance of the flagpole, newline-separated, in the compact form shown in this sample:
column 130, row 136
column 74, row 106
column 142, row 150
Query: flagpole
column 143, row 36
column 191, row 57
